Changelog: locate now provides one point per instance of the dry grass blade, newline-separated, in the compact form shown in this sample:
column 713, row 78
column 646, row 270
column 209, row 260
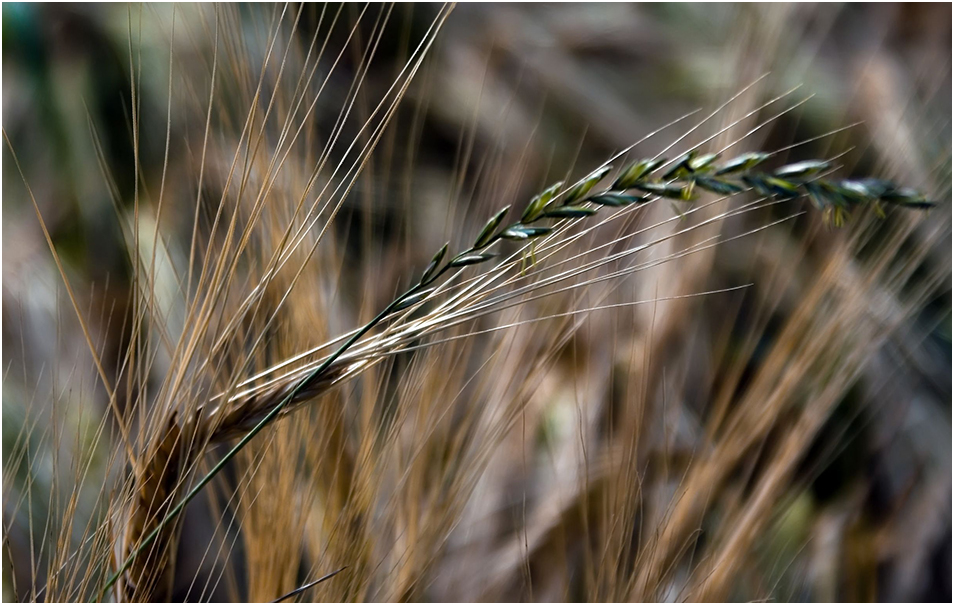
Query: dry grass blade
column 705, row 368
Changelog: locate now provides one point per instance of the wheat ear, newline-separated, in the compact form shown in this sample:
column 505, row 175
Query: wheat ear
column 636, row 184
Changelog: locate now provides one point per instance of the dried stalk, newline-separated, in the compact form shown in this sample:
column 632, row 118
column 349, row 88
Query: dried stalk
column 145, row 561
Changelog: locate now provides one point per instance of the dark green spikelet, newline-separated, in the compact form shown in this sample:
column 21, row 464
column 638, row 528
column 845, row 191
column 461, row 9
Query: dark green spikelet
column 522, row 233
column 583, row 187
column 818, row 195
column 919, row 204
column 466, row 259
column 537, row 204
column 412, row 299
column 672, row 190
column 907, row 197
column 757, row 182
column 487, row 233
column 887, row 191
column 833, row 195
column 435, row 264
column 801, row 169
column 680, row 168
column 855, row 191
column 837, row 198
column 635, row 172
column 615, row 199
column 845, row 193
column 781, row 187
column 720, row 186
column 771, row 186
column 744, row 162
column 569, row 212
column 876, row 188
column 703, row 163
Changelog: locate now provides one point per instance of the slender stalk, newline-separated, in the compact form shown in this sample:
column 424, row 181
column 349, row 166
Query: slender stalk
column 177, row 509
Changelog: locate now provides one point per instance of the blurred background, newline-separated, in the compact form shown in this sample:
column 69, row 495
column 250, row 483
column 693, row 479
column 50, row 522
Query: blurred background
column 510, row 98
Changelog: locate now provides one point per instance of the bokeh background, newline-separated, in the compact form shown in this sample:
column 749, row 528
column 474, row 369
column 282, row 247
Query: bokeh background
column 534, row 91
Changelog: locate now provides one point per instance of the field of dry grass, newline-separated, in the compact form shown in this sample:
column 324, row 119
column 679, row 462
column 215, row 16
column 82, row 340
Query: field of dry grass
column 233, row 363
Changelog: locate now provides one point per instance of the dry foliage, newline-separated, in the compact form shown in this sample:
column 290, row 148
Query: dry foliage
column 617, row 390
